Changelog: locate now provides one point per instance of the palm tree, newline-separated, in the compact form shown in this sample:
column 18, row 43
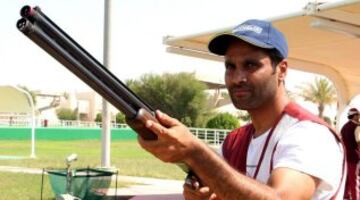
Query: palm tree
column 320, row 92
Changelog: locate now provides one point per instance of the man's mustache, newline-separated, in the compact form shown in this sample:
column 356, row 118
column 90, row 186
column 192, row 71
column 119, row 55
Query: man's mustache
column 240, row 87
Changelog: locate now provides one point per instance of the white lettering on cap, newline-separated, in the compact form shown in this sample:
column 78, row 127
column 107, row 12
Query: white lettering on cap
column 247, row 27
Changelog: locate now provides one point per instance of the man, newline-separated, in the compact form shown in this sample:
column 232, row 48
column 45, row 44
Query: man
column 348, row 135
column 285, row 153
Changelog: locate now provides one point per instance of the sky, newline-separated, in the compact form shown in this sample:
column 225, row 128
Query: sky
column 137, row 31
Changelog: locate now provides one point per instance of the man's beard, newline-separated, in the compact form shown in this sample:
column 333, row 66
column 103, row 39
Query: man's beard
column 245, row 102
column 255, row 96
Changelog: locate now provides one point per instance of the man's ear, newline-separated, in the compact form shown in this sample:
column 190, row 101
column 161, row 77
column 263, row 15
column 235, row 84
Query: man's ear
column 282, row 67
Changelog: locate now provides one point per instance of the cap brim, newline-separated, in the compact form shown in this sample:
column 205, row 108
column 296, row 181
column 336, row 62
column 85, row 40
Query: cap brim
column 353, row 113
column 219, row 44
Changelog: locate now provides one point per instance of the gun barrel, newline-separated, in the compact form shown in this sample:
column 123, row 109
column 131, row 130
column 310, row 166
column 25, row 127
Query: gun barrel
column 46, row 34
column 38, row 36
column 26, row 11
column 80, row 54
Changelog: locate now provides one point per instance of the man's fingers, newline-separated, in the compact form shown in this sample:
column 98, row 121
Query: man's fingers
column 213, row 197
column 157, row 128
column 147, row 144
column 152, row 146
column 201, row 193
column 162, row 127
column 191, row 182
column 166, row 120
column 204, row 190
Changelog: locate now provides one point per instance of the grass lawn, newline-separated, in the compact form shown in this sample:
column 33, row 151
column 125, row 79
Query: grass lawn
column 28, row 186
column 23, row 186
column 126, row 156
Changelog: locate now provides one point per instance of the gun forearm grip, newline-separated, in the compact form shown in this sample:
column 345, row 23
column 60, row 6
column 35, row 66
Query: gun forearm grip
column 193, row 181
column 138, row 124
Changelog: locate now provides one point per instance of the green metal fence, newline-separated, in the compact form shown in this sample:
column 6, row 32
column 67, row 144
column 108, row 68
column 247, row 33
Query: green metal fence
column 42, row 133
column 210, row 136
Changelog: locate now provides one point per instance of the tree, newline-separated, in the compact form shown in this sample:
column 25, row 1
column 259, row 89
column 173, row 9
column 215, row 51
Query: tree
column 180, row 95
column 223, row 121
column 66, row 114
column 320, row 92
column 98, row 117
column 244, row 116
column 120, row 118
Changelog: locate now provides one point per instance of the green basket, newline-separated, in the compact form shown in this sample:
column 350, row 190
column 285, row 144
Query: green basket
column 86, row 183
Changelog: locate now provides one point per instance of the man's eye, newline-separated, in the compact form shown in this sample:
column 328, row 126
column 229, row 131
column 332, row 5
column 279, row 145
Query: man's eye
column 251, row 65
column 229, row 66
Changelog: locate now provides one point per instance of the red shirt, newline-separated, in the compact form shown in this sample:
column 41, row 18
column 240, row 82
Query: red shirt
column 348, row 137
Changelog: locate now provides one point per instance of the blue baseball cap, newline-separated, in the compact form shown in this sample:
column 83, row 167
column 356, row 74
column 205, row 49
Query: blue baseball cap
column 255, row 32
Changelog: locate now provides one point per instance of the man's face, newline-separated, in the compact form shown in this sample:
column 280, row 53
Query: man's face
column 249, row 76
column 356, row 117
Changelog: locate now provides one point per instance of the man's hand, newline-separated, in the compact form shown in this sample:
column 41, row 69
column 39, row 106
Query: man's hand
column 175, row 142
column 202, row 193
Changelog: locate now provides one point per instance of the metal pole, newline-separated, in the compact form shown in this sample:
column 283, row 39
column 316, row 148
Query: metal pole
column 33, row 120
column 106, row 134
column 33, row 124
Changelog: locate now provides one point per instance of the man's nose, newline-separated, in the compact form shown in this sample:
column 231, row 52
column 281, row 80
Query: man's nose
column 239, row 76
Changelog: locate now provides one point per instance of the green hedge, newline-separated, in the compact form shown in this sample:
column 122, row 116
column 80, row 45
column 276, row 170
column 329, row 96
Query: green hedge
column 223, row 121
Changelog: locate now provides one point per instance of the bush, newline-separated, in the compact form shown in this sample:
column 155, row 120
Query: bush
column 66, row 114
column 98, row 117
column 223, row 121
column 120, row 118
column 244, row 116
column 179, row 95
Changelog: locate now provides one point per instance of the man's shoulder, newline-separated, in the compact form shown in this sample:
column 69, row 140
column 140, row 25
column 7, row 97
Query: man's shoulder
column 309, row 124
column 245, row 128
column 309, row 129
column 240, row 133
column 349, row 126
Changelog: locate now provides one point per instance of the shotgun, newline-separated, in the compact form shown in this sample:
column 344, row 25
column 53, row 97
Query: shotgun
column 51, row 38
column 45, row 33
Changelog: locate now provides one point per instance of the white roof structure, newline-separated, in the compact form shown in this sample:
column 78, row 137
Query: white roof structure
column 14, row 101
column 323, row 39
column 17, row 100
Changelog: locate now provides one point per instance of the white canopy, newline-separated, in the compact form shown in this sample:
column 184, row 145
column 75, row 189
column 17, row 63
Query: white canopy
column 14, row 101
column 323, row 39
column 17, row 100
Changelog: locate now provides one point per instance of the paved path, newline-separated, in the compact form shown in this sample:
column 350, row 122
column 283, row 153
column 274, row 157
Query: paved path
column 149, row 188
column 148, row 197
column 20, row 170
